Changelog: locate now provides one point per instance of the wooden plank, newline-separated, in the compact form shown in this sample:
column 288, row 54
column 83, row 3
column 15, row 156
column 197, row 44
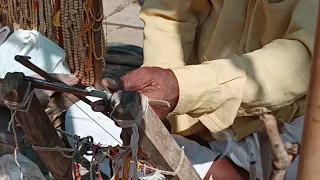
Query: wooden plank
column 265, row 154
column 97, row 39
column 37, row 126
column 309, row 163
column 157, row 143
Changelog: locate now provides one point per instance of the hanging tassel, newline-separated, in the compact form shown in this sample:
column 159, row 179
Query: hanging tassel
column 56, row 19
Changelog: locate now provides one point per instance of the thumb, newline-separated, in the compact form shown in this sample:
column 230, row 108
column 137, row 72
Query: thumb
column 111, row 84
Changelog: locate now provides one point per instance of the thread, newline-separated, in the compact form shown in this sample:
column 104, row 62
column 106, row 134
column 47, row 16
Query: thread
column 16, row 143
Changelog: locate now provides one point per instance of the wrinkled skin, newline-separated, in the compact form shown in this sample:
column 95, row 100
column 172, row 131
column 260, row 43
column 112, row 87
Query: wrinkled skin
column 153, row 82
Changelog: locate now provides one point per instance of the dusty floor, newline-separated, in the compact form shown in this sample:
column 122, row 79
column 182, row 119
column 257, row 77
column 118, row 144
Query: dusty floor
column 122, row 23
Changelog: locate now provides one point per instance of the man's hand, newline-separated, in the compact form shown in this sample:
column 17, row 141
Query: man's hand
column 153, row 82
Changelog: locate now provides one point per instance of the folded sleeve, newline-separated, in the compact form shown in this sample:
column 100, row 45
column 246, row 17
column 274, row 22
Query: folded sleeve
column 260, row 81
column 170, row 28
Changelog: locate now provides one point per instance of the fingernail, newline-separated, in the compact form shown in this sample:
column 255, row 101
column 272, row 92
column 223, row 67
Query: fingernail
column 111, row 81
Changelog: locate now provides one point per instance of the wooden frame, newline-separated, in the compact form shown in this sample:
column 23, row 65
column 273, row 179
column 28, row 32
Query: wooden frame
column 156, row 143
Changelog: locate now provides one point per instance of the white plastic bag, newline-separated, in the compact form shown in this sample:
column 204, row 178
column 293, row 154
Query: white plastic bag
column 9, row 170
column 43, row 52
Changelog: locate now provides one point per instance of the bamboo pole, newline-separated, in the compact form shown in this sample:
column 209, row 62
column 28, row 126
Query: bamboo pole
column 309, row 163
column 97, row 63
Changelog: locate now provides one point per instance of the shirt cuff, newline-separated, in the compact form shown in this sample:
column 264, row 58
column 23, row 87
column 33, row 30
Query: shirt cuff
column 214, row 86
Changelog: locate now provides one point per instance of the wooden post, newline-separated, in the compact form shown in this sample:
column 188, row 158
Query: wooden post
column 265, row 154
column 310, row 146
column 157, row 143
column 97, row 37
column 37, row 126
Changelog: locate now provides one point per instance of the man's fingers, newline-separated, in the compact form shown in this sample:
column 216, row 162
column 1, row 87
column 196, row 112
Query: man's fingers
column 111, row 84
column 136, row 79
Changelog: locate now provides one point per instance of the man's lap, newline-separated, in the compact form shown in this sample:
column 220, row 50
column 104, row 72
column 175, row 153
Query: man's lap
column 79, row 123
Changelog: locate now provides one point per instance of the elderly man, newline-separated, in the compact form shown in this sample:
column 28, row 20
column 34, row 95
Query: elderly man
column 222, row 63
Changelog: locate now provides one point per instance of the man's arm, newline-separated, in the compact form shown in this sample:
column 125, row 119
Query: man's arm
column 261, row 81
column 170, row 29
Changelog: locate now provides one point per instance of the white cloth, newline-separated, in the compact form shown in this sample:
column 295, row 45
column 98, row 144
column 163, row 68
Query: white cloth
column 9, row 170
column 43, row 52
column 79, row 123
column 239, row 151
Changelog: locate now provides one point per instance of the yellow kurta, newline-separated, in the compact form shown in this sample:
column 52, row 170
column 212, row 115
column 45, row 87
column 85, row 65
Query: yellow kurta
column 232, row 58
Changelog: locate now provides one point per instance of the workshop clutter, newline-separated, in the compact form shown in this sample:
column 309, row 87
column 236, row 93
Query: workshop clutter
column 76, row 26
column 43, row 52
column 10, row 170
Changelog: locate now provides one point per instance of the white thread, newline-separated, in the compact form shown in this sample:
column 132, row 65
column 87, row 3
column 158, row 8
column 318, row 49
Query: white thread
column 135, row 139
column 135, row 132
column 170, row 173
column 13, row 113
column 24, row 105
column 115, row 102
column 16, row 143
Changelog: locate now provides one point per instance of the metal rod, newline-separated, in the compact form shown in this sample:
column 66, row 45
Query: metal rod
column 63, row 88
column 24, row 60
column 310, row 146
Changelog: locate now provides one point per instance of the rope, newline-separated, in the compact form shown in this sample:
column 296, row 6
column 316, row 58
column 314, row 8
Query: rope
column 115, row 99
column 135, row 132
column 16, row 142
column 24, row 105
column 57, row 148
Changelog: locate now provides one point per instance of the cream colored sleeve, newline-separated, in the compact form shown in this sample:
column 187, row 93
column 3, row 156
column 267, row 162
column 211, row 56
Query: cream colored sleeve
column 170, row 28
column 261, row 81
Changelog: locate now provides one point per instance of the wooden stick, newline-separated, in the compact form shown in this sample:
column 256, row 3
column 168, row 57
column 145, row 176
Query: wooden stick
column 37, row 126
column 158, row 144
column 282, row 155
column 24, row 61
column 97, row 63
column 265, row 154
column 310, row 145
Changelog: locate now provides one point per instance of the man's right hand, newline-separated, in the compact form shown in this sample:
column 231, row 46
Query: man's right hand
column 153, row 82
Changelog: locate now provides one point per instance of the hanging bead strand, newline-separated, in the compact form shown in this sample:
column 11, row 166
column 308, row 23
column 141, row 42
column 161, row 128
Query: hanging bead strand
column 48, row 17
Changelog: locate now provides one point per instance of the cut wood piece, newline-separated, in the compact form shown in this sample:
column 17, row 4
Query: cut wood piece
column 157, row 143
column 265, row 154
column 309, row 163
column 37, row 126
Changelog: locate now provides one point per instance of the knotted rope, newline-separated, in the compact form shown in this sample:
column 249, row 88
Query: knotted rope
column 138, row 117
column 19, row 106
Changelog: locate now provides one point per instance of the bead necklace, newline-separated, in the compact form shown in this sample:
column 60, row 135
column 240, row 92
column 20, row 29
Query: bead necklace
column 69, row 23
column 48, row 17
